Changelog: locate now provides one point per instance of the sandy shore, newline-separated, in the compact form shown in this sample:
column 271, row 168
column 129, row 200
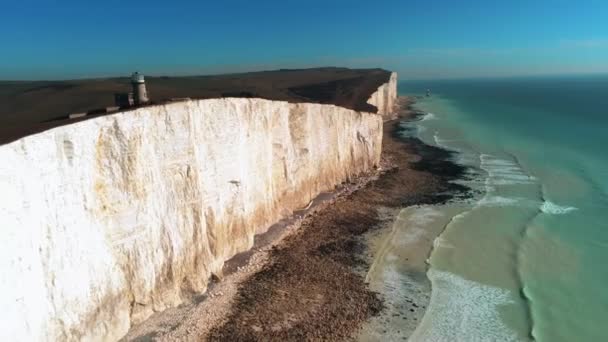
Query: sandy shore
column 306, row 278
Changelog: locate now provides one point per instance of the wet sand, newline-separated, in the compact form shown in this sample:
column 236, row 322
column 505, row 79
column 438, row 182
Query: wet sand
column 310, row 283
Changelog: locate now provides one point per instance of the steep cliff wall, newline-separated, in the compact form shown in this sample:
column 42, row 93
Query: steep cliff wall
column 107, row 220
column 385, row 97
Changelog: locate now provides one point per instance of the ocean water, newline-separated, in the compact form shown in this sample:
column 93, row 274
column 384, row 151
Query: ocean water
column 527, row 257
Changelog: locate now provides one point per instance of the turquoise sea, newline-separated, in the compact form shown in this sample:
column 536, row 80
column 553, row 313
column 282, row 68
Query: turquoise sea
column 527, row 257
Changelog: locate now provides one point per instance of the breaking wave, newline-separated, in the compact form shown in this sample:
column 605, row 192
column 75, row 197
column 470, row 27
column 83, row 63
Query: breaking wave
column 428, row 116
column 549, row 207
column 463, row 310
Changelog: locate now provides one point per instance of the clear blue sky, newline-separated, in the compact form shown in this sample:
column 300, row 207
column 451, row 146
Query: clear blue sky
column 420, row 39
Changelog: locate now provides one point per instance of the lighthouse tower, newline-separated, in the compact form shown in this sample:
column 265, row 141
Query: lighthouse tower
column 139, row 88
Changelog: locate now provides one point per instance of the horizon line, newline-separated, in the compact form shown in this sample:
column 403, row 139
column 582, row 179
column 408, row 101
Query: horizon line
column 401, row 74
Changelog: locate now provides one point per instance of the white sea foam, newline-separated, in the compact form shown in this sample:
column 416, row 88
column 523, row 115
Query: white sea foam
column 503, row 172
column 463, row 310
column 503, row 182
column 465, row 158
column 443, row 143
column 428, row 116
column 438, row 140
column 441, row 242
column 500, row 201
column 551, row 208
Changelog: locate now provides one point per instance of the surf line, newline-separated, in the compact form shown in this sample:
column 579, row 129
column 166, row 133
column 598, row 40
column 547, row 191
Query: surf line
column 526, row 298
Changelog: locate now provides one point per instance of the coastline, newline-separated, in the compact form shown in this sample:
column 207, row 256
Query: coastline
column 400, row 252
column 307, row 280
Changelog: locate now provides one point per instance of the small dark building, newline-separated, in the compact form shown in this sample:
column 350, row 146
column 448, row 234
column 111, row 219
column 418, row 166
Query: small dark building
column 124, row 99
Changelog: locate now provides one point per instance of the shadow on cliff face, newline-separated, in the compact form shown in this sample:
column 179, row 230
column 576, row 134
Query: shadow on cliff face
column 312, row 289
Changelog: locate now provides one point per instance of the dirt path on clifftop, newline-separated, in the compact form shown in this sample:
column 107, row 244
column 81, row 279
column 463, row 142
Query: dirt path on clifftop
column 311, row 286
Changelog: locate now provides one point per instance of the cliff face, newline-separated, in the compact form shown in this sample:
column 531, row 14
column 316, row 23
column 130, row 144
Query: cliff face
column 385, row 97
column 108, row 220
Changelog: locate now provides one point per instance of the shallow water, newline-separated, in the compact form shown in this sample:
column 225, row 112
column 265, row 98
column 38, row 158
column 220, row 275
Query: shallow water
column 398, row 270
column 525, row 259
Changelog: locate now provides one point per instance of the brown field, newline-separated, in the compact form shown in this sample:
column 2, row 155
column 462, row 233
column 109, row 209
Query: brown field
column 27, row 107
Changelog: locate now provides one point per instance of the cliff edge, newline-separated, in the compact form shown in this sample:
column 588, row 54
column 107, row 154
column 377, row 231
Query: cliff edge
column 30, row 107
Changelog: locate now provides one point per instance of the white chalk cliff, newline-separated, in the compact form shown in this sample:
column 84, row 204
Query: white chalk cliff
column 105, row 221
column 385, row 98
